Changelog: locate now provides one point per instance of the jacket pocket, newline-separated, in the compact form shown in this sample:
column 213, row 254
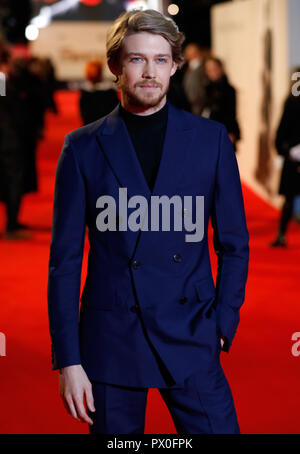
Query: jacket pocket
column 206, row 294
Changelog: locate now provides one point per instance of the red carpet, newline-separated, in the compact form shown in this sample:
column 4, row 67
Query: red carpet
column 263, row 374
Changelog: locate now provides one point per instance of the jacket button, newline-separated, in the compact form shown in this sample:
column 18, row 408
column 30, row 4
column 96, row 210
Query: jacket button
column 183, row 300
column 136, row 265
column 177, row 258
column 135, row 308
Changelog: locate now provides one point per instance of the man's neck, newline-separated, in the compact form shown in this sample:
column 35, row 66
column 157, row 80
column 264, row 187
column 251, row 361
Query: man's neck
column 140, row 110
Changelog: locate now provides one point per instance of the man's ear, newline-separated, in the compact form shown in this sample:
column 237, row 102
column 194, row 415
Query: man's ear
column 174, row 67
column 114, row 69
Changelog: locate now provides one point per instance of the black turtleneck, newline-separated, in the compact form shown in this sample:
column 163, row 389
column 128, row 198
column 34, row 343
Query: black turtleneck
column 147, row 133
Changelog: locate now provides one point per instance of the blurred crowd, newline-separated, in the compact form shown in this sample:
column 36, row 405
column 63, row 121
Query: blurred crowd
column 208, row 89
column 201, row 86
column 29, row 85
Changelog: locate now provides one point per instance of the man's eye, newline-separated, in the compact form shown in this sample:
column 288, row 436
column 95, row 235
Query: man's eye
column 161, row 60
column 136, row 59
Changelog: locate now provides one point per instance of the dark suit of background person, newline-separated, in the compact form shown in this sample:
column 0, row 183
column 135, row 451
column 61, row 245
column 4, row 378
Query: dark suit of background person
column 176, row 94
column 288, row 136
column 194, row 77
column 11, row 157
column 96, row 102
column 220, row 105
column 97, row 97
column 150, row 314
column 14, row 128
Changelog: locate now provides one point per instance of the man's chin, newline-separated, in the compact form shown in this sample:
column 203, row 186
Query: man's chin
column 146, row 101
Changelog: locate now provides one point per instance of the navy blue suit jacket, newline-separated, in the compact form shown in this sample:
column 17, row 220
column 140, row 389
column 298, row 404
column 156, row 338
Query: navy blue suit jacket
column 145, row 291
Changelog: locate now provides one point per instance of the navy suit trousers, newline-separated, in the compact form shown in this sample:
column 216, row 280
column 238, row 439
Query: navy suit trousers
column 202, row 405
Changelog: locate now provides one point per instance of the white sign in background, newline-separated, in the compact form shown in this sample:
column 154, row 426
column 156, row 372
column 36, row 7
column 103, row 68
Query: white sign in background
column 70, row 45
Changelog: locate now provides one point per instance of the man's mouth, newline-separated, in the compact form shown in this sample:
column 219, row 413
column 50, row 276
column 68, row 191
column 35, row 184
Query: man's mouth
column 148, row 86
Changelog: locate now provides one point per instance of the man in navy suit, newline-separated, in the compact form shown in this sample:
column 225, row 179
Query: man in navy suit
column 150, row 314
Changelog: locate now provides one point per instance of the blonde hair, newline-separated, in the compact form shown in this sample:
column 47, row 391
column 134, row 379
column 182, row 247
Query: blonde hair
column 136, row 21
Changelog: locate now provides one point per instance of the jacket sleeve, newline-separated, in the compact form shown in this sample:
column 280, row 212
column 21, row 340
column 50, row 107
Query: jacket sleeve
column 66, row 252
column 231, row 241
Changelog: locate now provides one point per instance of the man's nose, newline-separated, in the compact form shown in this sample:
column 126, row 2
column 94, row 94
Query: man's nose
column 149, row 70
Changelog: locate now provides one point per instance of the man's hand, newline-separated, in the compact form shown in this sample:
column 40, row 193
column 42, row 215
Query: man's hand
column 73, row 386
column 223, row 340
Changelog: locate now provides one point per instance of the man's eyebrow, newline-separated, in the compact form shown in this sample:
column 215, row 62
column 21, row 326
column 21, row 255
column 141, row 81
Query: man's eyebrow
column 128, row 54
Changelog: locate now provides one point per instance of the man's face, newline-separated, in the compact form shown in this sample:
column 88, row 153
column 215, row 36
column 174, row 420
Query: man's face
column 213, row 71
column 146, row 66
column 192, row 52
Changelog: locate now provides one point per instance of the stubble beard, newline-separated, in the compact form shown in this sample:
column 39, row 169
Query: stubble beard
column 146, row 100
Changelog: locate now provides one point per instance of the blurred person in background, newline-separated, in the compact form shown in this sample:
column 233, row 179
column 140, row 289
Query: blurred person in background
column 288, row 145
column 176, row 93
column 11, row 149
column 30, row 116
column 22, row 113
column 51, row 85
column 220, row 98
column 37, row 88
column 97, row 97
column 194, row 78
column 35, row 85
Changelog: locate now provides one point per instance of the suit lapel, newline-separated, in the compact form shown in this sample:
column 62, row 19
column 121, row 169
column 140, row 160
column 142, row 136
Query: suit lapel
column 115, row 141
column 177, row 139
